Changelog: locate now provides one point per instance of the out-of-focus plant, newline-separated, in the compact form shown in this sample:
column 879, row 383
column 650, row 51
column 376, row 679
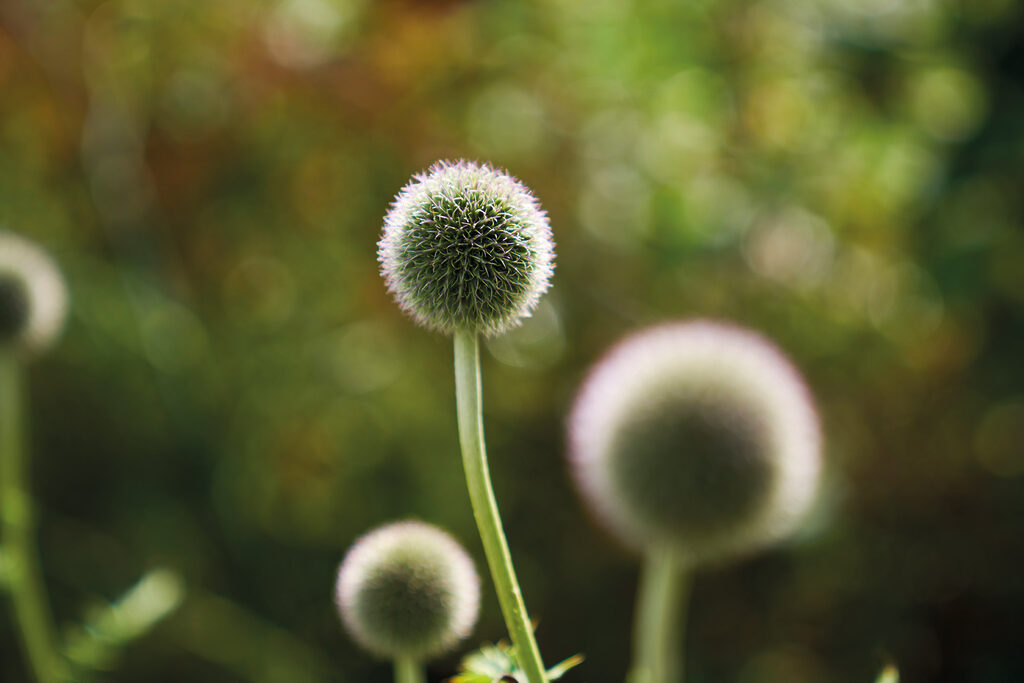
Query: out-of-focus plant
column 32, row 310
column 95, row 644
column 695, row 442
column 32, row 307
column 888, row 674
column 407, row 592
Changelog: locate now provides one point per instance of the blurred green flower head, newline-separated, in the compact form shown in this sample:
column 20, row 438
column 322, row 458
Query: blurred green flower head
column 700, row 436
column 33, row 299
column 466, row 247
column 408, row 589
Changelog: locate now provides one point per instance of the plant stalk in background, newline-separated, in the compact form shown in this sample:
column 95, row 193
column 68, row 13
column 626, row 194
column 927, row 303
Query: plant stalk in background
column 33, row 303
column 24, row 582
column 660, row 619
column 408, row 670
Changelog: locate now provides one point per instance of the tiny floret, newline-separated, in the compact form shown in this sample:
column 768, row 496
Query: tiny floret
column 407, row 589
column 700, row 436
column 466, row 247
column 33, row 298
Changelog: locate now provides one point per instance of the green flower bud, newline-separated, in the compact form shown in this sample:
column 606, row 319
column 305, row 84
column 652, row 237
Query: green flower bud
column 408, row 589
column 700, row 436
column 466, row 247
column 33, row 299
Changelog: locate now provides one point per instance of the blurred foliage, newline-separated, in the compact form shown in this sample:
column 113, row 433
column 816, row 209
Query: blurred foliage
column 236, row 398
column 889, row 675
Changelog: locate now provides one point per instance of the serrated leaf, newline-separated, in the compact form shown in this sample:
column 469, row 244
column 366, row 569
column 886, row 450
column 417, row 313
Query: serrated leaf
column 492, row 662
column 501, row 657
column 486, row 664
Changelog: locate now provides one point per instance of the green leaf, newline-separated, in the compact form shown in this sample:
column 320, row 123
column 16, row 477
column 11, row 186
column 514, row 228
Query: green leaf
column 558, row 670
column 492, row 662
column 96, row 643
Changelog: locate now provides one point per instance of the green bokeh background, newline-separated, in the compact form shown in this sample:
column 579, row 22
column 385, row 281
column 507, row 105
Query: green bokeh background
column 237, row 399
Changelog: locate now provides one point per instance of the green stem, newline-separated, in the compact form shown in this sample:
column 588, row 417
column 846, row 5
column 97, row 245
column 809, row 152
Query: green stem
column 659, row 628
column 409, row 671
column 24, row 581
column 485, row 508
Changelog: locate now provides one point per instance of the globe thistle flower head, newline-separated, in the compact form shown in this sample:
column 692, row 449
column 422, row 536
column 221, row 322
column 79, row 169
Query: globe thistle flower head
column 699, row 436
column 466, row 247
column 33, row 299
column 407, row 589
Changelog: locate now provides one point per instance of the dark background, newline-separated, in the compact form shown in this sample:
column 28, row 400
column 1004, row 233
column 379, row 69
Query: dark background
column 236, row 398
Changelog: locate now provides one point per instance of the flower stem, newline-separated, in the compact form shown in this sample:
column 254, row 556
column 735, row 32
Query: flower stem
column 658, row 630
column 485, row 508
column 24, row 581
column 409, row 671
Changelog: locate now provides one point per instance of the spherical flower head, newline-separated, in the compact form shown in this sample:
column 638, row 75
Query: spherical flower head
column 408, row 589
column 699, row 436
column 33, row 299
column 466, row 247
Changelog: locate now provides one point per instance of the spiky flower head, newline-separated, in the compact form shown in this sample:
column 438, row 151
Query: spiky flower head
column 407, row 589
column 466, row 247
column 699, row 436
column 33, row 299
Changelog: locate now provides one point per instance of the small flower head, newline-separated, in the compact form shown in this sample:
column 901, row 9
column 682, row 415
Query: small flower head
column 466, row 247
column 407, row 589
column 33, row 299
column 700, row 436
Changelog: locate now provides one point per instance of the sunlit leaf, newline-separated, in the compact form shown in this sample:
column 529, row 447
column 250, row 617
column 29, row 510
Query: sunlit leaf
column 493, row 662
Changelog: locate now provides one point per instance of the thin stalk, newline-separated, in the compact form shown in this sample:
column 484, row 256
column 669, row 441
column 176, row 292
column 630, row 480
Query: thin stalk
column 659, row 628
column 409, row 671
column 485, row 508
column 31, row 609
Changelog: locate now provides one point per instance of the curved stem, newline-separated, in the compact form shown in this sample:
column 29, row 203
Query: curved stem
column 660, row 618
column 485, row 508
column 409, row 671
column 24, row 581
